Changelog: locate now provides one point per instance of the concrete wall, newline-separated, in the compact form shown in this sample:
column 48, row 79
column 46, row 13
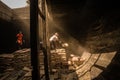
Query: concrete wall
column 5, row 12
column 10, row 24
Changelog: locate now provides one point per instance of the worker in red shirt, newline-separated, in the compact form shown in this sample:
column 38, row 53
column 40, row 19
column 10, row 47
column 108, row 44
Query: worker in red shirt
column 19, row 39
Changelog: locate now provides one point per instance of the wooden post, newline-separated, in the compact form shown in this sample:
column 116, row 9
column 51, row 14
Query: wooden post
column 34, row 39
column 45, row 43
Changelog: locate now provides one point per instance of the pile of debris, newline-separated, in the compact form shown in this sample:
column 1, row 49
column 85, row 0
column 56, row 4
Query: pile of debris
column 15, row 66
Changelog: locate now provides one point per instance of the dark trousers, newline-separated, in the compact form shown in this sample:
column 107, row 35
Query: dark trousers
column 52, row 45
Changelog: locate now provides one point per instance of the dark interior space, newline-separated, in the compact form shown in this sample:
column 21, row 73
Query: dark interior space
column 93, row 24
column 86, row 25
column 8, row 31
column 8, row 39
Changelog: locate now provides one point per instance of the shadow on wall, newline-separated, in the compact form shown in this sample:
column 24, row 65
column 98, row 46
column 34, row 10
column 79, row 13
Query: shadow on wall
column 8, row 31
column 7, row 41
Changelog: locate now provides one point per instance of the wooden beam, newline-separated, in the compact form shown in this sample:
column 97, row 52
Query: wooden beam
column 34, row 39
